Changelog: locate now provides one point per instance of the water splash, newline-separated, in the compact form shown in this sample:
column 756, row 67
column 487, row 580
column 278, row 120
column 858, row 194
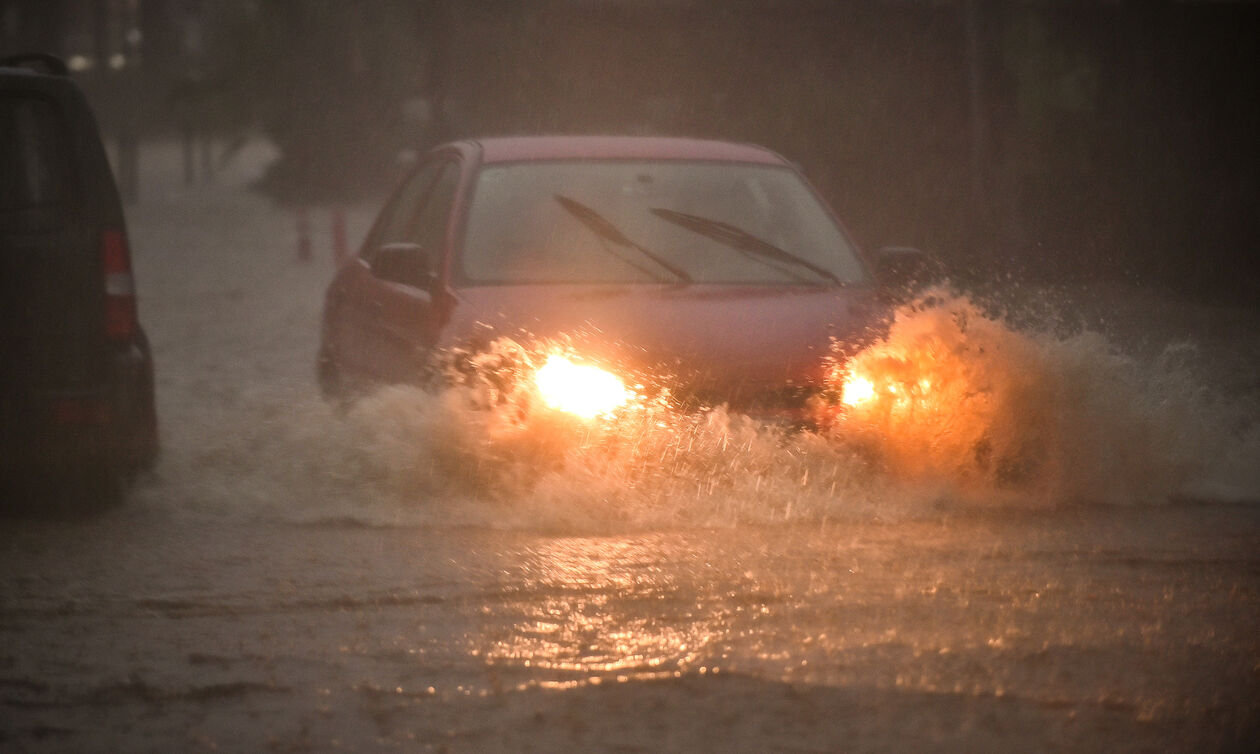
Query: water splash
column 957, row 395
column 963, row 410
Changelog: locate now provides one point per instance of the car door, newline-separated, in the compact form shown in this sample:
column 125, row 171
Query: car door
column 398, row 322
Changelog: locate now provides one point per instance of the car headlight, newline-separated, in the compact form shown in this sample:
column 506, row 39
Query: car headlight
column 580, row 389
column 856, row 390
column 895, row 385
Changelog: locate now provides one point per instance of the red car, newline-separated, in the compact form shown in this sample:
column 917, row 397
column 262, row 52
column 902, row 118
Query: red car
column 714, row 263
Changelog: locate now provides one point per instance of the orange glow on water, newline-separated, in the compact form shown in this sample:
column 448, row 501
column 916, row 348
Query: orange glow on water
column 580, row 389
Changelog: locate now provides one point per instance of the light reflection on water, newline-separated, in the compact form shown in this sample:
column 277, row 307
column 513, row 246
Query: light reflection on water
column 600, row 608
column 1048, row 609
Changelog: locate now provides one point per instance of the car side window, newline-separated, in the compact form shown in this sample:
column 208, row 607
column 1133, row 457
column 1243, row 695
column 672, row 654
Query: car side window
column 429, row 229
column 397, row 218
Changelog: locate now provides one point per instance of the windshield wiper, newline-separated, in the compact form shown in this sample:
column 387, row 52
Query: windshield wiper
column 600, row 226
column 740, row 239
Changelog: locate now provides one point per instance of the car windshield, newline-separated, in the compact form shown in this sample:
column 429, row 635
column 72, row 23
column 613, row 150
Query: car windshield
column 651, row 222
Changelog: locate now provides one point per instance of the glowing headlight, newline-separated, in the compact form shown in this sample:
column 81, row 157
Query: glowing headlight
column 856, row 390
column 898, row 385
column 584, row 390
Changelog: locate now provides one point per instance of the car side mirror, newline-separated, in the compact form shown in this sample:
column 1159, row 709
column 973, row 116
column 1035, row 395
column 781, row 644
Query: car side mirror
column 405, row 263
column 905, row 270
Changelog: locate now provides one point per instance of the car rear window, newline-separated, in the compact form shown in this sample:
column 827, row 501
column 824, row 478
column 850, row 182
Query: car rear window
column 34, row 154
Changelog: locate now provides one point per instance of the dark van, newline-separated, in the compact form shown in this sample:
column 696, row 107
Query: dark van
column 76, row 374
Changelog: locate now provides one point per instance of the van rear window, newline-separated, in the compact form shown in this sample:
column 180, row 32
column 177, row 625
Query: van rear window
column 34, row 155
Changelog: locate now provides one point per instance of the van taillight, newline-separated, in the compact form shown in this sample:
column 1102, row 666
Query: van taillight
column 120, row 288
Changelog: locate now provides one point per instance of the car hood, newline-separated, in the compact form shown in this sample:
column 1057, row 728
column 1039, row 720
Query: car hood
column 704, row 335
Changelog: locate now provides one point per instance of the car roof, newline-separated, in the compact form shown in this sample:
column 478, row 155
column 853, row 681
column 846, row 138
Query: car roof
column 34, row 65
column 526, row 148
column 21, row 79
column 28, row 77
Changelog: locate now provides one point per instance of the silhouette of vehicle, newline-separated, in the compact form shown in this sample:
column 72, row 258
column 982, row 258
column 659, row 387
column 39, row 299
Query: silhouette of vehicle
column 713, row 262
column 76, row 374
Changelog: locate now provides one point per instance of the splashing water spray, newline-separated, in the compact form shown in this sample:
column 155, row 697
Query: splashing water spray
column 954, row 405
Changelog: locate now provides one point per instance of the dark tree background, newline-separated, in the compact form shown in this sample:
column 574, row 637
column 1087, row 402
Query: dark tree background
column 1047, row 140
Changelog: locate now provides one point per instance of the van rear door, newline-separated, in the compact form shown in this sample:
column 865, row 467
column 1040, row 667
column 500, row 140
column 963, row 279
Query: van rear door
column 50, row 277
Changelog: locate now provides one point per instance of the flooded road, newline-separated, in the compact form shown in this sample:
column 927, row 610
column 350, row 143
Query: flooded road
column 414, row 575
column 1114, row 629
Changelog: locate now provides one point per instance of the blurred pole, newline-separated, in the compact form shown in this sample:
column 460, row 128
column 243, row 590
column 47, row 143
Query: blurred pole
column 132, row 121
column 304, row 234
column 339, row 245
column 34, row 25
column 129, row 167
column 207, row 157
column 115, row 79
column 100, row 36
column 190, row 163
column 436, row 28
column 975, row 81
column 984, row 237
